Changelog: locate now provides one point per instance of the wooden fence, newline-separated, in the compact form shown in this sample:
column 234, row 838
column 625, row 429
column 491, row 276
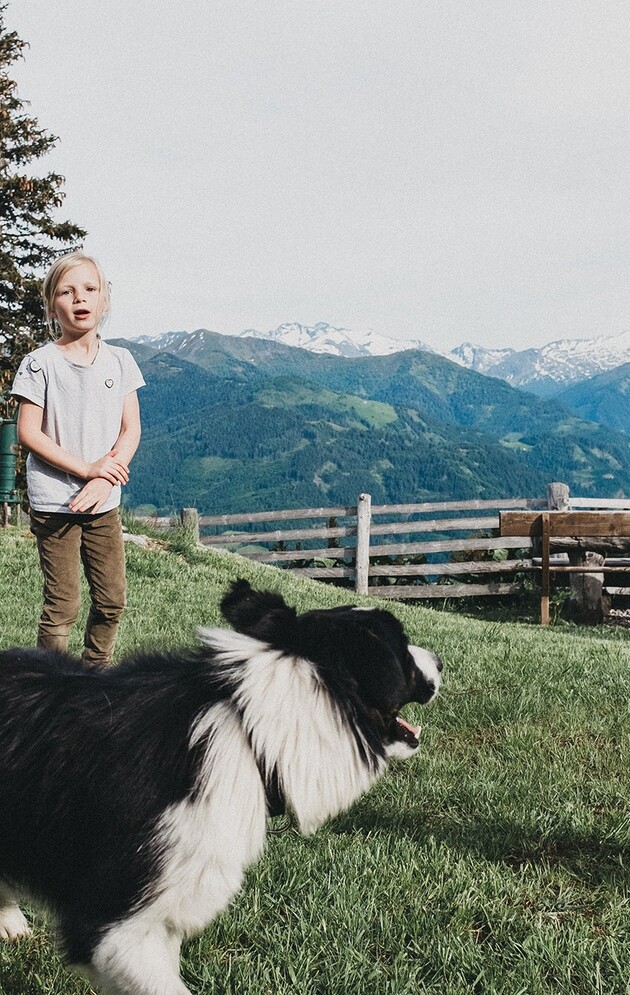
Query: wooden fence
column 433, row 545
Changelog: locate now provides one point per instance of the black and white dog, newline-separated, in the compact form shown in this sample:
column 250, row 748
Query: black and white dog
column 132, row 800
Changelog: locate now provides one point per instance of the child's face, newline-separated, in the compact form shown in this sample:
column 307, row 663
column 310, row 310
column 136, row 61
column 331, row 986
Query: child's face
column 78, row 305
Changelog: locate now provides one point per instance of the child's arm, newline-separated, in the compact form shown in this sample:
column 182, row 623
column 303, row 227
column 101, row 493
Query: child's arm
column 93, row 496
column 129, row 436
column 30, row 417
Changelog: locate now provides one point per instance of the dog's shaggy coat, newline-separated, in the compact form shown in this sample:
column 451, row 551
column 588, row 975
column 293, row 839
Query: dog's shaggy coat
column 132, row 800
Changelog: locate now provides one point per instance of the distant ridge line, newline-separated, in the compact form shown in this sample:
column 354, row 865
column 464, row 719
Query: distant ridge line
column 544, row 370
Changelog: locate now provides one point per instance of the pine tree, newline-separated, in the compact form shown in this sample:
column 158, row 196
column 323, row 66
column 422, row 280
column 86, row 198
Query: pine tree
column 30, row 237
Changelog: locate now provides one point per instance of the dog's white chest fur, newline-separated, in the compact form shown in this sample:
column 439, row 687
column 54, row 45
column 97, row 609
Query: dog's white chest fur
column 207, row 842
column 211, row 839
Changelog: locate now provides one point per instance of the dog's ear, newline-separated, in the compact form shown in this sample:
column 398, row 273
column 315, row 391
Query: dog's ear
column 261, row 614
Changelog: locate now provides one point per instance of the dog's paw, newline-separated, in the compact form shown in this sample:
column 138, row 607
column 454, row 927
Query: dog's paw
column 13, row 924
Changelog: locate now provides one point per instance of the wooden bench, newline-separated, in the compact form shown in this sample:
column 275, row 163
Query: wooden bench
column 576, row 525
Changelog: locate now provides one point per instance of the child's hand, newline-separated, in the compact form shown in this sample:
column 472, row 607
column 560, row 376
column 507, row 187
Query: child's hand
column 110, row 468
column 92, row 497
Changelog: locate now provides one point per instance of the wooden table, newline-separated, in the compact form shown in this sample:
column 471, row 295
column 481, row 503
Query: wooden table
column 545, row 525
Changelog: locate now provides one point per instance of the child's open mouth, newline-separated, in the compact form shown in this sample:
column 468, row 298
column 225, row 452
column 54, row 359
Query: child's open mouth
column 81, row 314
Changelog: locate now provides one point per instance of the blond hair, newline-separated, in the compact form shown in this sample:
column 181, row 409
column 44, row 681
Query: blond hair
column 54, row 277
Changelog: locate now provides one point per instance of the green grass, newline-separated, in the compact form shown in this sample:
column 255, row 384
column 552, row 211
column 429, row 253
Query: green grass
column 376, row 414
column 495, row 863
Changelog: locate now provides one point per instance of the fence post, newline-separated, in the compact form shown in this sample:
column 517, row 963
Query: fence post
column 557, row 500
column 189, row 518
column 588, row 602
column 362, row 562
column 558, row 497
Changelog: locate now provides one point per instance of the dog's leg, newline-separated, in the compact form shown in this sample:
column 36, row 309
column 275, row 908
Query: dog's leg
column 13, row 925
column 138, row 958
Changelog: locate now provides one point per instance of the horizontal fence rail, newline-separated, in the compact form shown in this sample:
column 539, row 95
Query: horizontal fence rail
column 344, row 559
column 434, row 549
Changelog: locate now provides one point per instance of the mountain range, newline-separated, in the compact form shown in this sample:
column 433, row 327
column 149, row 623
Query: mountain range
column 547, row 370
column 543, row 371
column 324, row 338
column 238, row 423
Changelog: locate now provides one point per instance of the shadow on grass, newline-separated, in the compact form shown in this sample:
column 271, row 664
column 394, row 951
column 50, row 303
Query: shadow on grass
column 583, row 854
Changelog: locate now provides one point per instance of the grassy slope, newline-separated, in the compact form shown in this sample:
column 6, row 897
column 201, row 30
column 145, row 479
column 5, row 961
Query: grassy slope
column 495, row 862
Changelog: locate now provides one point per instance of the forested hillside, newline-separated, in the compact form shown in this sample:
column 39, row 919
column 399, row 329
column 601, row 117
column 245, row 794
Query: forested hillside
column 604, row 398
column 239, row 429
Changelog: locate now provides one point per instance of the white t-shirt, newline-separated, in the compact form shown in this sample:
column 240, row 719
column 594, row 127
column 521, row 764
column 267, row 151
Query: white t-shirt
column 82, row 413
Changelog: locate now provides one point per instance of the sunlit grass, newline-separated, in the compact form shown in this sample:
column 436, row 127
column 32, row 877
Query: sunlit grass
column 496, row 862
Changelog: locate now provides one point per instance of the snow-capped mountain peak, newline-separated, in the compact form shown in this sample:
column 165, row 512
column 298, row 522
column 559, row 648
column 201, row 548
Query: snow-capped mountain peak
column 477, row 357
column 325, row 338
column 551, row 367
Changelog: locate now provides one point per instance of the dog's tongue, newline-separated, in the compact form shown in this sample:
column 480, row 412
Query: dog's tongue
column 414, row 730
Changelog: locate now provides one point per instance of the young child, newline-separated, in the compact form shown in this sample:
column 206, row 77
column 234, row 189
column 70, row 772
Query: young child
column 79, row 420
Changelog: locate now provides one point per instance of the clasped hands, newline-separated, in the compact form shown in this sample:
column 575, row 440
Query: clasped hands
column 102, row 476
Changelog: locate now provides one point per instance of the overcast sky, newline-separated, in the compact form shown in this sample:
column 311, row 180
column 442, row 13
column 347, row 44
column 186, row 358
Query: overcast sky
column 447, row 170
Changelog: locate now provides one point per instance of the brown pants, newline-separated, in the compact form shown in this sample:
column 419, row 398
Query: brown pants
column 64, row 541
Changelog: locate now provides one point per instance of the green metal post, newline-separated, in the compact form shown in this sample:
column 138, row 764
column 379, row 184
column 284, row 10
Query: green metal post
column 8, row 461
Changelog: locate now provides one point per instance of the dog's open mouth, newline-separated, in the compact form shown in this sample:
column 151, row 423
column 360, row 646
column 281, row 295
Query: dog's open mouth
column 406, row 733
